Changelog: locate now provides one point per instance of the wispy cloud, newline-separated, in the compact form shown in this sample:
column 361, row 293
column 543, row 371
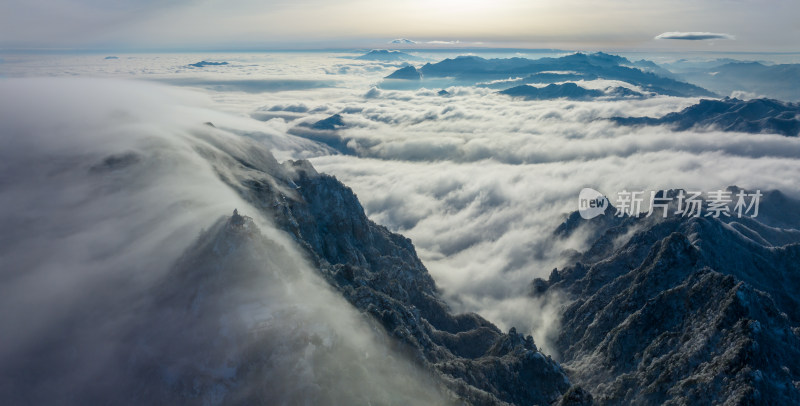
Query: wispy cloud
column 125, row 177
column 694, row 36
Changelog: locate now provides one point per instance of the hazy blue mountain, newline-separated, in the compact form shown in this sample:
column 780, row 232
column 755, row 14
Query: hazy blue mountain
column 623, row 92
column 684, row 65
column 474, row 69
column 553, row 77
column 752, row 116
column 387, row 56
column 650, row 66
column 780, row 81
column 406, row 73
column 325, row 131
column 683, row 310
column 567, row 90
column 203, row 64
column 552, row 91
column 333, row 122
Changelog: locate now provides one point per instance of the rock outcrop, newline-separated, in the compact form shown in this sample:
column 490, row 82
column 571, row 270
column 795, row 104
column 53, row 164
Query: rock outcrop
column 685, row 311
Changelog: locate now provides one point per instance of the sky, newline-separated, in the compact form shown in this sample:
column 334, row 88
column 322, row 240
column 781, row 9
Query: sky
column 724, row 25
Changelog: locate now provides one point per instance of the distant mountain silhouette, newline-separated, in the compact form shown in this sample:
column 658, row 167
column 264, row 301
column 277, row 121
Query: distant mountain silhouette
column 333, row 122
column 775, row 81
column 474, row 69
column 567, row 90
column 552, row 91
column 325, row 131
column 751, row 116
column 407, row 73
column 203, row 64
column 387, row 55
column 781, row 81
column 650, row 66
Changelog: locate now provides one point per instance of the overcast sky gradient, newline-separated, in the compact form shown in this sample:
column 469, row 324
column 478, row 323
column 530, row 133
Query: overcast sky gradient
column 745, row 25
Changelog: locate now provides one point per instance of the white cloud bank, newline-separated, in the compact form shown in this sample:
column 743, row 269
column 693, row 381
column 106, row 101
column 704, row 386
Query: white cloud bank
column 479, row 180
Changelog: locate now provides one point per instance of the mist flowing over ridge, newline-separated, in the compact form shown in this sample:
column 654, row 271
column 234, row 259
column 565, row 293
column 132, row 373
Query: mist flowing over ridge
column 126, row 278
column 119, row 270
column 248, row 293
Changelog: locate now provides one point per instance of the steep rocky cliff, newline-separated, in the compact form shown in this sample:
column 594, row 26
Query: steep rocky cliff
column 684, row 310
column 380, row 274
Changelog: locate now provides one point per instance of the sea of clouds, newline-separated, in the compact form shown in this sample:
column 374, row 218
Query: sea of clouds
column 477, row 180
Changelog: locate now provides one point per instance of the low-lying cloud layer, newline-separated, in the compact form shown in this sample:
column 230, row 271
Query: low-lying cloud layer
column 478, row 180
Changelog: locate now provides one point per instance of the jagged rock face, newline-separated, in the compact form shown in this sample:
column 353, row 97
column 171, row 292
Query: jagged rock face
column 687, row 311
column 380, row 274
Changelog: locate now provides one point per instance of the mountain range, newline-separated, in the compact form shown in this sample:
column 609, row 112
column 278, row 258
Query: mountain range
column 301, row 298
column 380, row 274
column 657, row 310
column 683, row 310
column 579, row 66
column 759, row 79
column 568, row 90
column 387, row 55
column 751, row 116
